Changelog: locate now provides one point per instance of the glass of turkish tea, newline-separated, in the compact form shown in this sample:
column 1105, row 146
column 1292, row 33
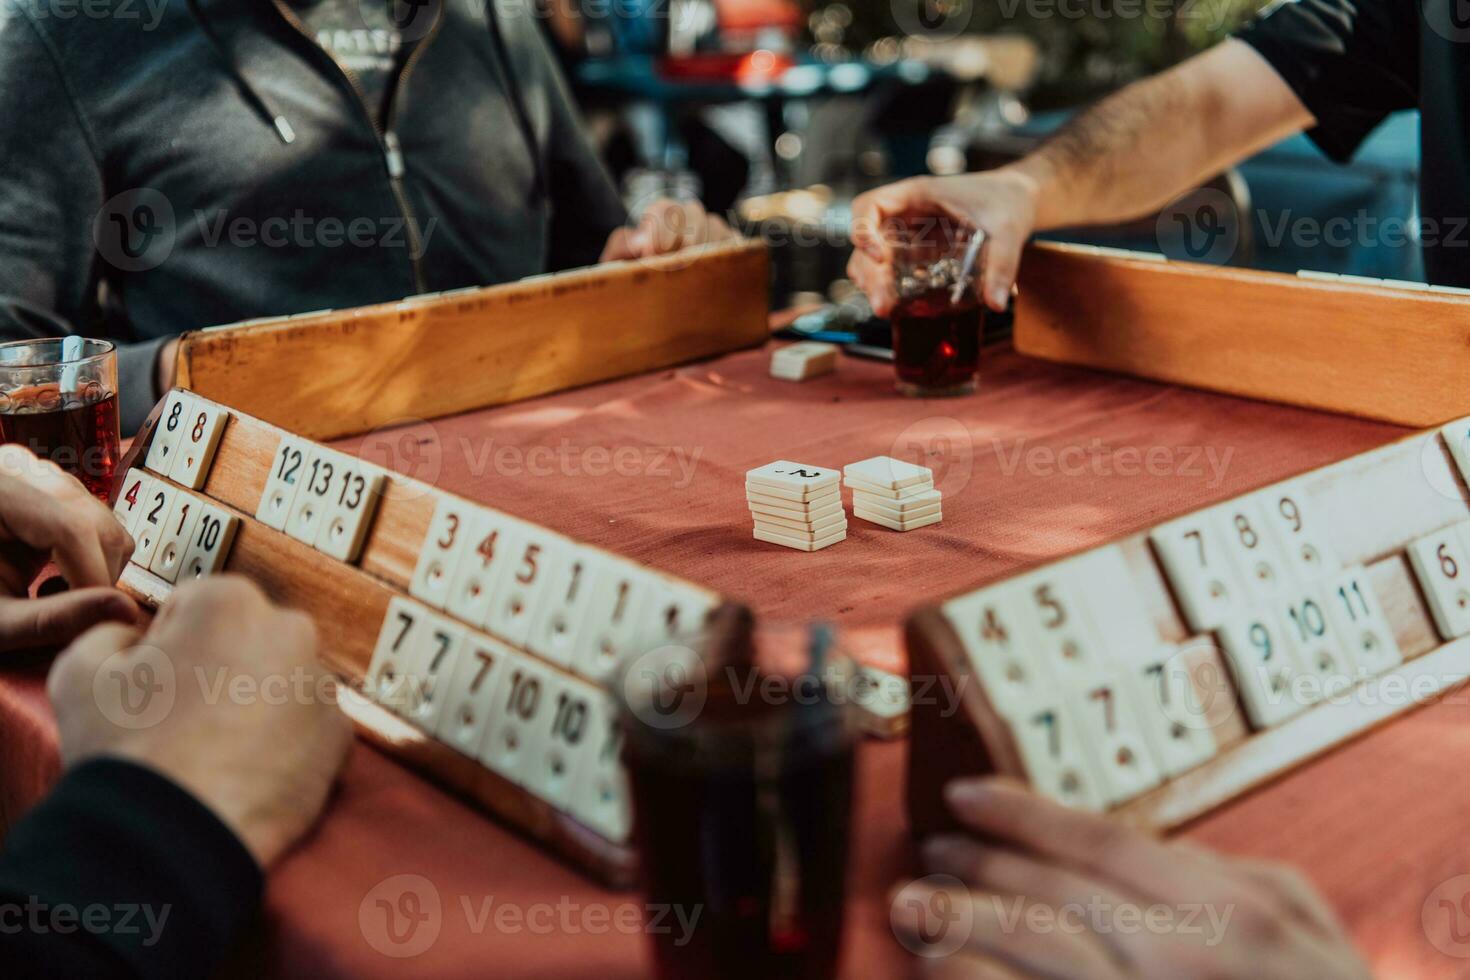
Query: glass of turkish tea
column 938, row 319
column 58, row 398
column 742, row 780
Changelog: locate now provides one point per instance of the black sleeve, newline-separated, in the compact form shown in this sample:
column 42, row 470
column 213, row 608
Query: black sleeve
column 1351, row 62
column 50, row 194
column 120, row 873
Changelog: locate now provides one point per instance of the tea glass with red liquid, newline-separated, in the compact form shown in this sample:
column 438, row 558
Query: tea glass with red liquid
column 936, row 336
column 742, row 780
column 63, row 410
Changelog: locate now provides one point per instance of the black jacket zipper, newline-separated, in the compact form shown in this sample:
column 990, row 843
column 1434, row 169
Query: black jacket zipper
column 387, row 138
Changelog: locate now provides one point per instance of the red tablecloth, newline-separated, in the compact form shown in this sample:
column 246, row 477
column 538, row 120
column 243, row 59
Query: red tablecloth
column 1045, row 461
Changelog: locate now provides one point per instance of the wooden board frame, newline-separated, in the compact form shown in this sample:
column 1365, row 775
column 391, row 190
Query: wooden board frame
column 1393, row 354
column 974, row 740
column 348, row 604
column 337, row 373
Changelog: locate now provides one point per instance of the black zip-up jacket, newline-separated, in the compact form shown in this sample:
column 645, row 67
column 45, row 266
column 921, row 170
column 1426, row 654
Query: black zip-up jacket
column 167, row 165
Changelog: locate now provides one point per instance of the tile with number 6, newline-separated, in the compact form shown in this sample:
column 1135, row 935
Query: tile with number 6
column 1440, row 563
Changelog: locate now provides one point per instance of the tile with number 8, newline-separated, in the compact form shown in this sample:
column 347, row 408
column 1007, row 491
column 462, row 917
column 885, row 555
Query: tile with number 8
column 1259, row 563
column 205, row 424
column 163, row 450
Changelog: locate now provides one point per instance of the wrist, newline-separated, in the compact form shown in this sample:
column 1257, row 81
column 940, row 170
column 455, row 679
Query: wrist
column 1040, row 181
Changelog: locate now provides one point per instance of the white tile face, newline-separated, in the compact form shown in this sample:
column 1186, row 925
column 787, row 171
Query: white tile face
column 566, row 745
column 1104, row 583
column 885, row 471
column 1050, row 744
column 163, row 450
column 674, row 612
column 1301, row 535
column 150, row 526
column 1199, row 570
column 601, row 798
column 287, row 474
column 1360, row 623
column 1172, row 718
column 488, row 549
column 517, row 730
column 991, row 625
column 610, row 630
column 783, row 477
column 130, row 500
column 352, row 501
column 1260, row 564
column 210, row 545
column 517, row 601
column 1076, row 654
column 438, row 646
column 564, row 606
column 200, row 438
column 388, row 681
column 178, row 532
column 471, row 698
column 1440, row 564
column 313, row 497
column 1456, row 437
column 1262, row 664
column 1307, row 627
column 447, row 539
column 1112, row 734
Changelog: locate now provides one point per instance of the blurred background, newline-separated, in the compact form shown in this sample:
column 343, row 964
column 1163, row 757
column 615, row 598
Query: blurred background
column 781, row 111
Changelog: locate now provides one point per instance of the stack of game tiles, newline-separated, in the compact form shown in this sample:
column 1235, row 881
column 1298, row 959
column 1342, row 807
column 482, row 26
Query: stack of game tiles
column 892, row 493
column 800, row 362
column 796, row 505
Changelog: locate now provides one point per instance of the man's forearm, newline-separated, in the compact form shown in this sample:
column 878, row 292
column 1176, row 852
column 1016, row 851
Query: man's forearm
column 1143, row 146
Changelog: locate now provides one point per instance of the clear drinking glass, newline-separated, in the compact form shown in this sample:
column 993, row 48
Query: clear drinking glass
column 742, row 781
column 938, row 319
column 58, row 398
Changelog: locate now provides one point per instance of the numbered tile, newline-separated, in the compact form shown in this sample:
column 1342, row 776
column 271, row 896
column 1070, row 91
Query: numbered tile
column 287, row 474
column 1362, row 627
column 1199, row 569
column 1113, row 735
column 1262, row 664
column 446, row 541
column 1300, row 533
column 162, row 452
column 472, row 695
column 601, row 798
column 437, row 645
column 152, row 522
column 610, row 630
column 564, row 606
column 178, row 532
column 566, row 744
column 517, row 731
column 991, row 627
column 131, row 498
column 1316, row 646
column 352, row 501
column 517, row 600
column 388, row 681
column 1456, row 437
column 313, row 497
column 1075, row 652
column 795, row 481
column 194, row 455
column 487, row 551
column 1056, row 765
column 673, row 612
column 1439, row 562
column 1259, row 561
column 1173, row 718
column 210, row 545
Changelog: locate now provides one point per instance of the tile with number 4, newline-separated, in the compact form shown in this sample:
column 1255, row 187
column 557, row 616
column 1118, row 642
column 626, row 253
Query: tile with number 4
column 352, row 501
column 163, row 450
column 991, row 628
column 1362, row 627
column 210, row 545
column 472, row 694
column 178, row 530
column 287, row 475
column 488, row 548
column 130, row 499
column 1199, row 569
column 205, row 424
column 1440, row 564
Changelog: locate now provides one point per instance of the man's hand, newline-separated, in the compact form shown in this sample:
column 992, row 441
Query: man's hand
column 667, row 226
column 224, row 695
column 46, row 514
column 1001, row 203
column 1121, row 904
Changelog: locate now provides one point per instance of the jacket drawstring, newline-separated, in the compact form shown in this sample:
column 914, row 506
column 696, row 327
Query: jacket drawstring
column 278, row 122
